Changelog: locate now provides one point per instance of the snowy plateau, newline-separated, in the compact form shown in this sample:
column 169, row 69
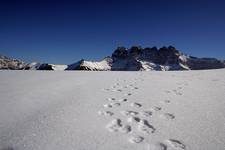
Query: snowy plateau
column 81, row 110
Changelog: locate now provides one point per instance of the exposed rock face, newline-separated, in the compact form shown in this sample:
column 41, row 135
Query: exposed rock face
column 137, row 58
column 165, row 58
column 11, row 64
column 14, row 64
column 204, row 63
column 45, row 67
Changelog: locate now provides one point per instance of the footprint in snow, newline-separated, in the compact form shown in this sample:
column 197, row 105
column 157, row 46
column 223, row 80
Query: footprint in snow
column 177, row 145
column 119, row 90
column 133, row 119
column 136, row 105
column 165, row 102
column 145, row 113
column 105, row 113
column 145, row 127
column 167, row 116
column 135, row 139
column 177, row 92
column 115, row 104
column 111, row 99
column 134, row 88
column 128, row 113
column 155, row 108
column 122, row 100
column 125, row 129
column 114, row 87
column 157, row 146
column 128, row 94
column 114, row 125
column 107, row 105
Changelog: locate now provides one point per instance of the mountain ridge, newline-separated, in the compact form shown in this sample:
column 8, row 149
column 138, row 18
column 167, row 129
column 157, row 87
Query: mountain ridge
column 135, row 58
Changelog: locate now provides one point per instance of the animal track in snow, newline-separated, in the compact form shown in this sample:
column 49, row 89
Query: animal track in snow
column 122, row 100
column 119, row 90
column 113, row 86
column 128, row 113
column 115, row 104
column 136, row 139
column 125, row 129
column 177, row 92
column 111, row 99
column 134, row 88
column 114, row 125
column 137, row 105
column 167, row 116
column 105, row 113
column 128, row 94
column 165, row 102
column 107, row 105
column 145, row 127
column 155, row 108
column 177, row 145
column 145, row 113
column 157, row 146
column 133, row 119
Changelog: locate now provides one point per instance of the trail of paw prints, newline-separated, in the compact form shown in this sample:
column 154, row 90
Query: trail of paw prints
column 116, row 126
column 137, row 119
column 178, row 90
column 167, row 145
column 120, row 87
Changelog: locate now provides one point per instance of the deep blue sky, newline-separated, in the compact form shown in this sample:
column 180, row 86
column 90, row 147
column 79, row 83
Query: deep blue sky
column 66, row 31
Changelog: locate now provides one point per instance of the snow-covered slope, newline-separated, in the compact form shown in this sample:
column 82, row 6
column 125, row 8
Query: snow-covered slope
column 179, row 110
column 102, row 65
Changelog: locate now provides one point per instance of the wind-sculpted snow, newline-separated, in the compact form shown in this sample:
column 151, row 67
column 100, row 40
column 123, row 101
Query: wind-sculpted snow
column 112, row 110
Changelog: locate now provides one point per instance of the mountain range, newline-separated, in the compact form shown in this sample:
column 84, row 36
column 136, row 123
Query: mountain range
column 135, row 58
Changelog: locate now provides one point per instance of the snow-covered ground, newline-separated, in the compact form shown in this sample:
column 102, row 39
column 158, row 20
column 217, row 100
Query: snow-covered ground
column 41, row 110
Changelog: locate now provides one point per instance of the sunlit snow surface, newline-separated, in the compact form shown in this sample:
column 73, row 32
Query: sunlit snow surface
column 44, row 110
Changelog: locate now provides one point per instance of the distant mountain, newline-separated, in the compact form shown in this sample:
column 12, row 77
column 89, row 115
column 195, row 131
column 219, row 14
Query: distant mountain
column 146, row 59
column 12, row 64
column 134, row 59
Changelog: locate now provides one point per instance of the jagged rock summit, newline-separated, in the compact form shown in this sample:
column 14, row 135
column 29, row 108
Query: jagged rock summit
column 145, row 59
column 135, row 58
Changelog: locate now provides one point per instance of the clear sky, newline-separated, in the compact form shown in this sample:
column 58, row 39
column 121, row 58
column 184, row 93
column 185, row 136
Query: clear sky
column 65, row 31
